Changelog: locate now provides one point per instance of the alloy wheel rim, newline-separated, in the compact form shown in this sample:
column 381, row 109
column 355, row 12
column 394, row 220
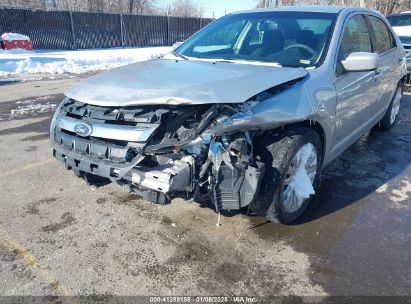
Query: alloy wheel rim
column 304, row 159
column 395, row 108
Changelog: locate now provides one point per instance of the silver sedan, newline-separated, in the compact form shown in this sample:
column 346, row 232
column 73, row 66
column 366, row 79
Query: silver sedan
column 245, row 113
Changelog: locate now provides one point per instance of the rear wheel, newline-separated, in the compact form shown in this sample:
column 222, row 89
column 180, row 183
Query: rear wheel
column 293, row 163
column 391, row 115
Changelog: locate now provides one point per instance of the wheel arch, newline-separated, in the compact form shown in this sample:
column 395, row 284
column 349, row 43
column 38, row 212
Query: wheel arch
column 308, row 124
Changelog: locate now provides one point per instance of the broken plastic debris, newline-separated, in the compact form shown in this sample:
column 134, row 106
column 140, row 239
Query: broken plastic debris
column 218, row 154
column 218, row 220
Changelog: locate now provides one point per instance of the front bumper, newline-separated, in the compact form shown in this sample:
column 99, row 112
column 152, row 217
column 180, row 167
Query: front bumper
column 113, row 149
column 117, row 163
column 81, row 164
column 157, row 158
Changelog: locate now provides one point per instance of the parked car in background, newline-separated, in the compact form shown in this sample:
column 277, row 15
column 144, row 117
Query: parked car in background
column 401, row 24
column 245, row 113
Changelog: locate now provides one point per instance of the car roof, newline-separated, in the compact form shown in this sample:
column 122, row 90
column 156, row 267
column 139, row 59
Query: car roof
column 304, row 8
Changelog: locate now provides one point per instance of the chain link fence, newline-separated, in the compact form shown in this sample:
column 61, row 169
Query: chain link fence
column 56, row 30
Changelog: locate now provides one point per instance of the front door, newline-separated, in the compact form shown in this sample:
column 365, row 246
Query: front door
column 357, row 92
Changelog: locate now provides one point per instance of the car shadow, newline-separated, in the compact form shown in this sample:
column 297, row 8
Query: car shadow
column 375, row 160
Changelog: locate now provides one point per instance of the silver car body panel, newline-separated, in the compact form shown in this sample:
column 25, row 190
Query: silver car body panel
column 177, row 82
column 281, row 109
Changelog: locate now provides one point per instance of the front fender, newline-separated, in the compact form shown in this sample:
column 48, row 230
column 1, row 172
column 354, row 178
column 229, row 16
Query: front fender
column 289, row 106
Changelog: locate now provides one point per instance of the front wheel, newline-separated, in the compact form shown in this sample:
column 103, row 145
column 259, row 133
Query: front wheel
column 293, row 164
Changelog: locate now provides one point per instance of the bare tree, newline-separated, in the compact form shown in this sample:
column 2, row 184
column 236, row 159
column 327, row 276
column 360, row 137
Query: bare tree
column 262, row 3
column 107, row 6
column 386, row 7
column 186, row 8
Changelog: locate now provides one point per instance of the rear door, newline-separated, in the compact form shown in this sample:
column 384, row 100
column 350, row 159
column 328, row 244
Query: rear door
column 357, row 92
column 389, row 62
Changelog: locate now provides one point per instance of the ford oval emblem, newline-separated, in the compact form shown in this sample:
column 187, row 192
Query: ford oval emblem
column 83, row 129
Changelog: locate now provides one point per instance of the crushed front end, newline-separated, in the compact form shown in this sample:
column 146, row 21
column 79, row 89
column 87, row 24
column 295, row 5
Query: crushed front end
column 159, row 152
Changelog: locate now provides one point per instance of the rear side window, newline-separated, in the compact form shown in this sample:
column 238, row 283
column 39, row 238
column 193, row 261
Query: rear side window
column 356, row 37
column 383, row 38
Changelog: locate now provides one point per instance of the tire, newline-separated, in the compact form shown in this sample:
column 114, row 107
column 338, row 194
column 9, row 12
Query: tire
column 391, row 116
column 278, row 152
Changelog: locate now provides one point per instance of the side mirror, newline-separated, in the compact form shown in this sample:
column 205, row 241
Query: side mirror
column 360, row 62
column 176, row 45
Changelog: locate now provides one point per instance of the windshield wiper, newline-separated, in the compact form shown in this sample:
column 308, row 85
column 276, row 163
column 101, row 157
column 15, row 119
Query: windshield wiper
column 223, row 60
column 179, row 55
column 253, row 62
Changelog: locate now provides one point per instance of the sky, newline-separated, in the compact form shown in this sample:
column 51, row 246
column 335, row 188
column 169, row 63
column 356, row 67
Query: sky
column 219, row 7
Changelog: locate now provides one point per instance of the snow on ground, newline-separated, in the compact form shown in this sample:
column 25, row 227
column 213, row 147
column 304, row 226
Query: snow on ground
column 31, row 108
column 14, row 62
column 27, row 107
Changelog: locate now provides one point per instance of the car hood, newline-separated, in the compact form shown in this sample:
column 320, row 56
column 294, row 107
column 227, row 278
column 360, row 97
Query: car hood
column 177, row 82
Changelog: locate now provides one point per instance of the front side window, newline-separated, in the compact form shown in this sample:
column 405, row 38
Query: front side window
column 356, row 37
column 295, row 39
column 383, row 38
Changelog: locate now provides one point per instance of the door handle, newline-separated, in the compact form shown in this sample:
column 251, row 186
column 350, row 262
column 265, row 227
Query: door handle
column 377, row 74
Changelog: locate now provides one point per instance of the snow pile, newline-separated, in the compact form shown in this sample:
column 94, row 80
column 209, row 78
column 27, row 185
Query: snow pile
column 73, row 62
column 14, row 36
column 15, row 51
column 404, row 31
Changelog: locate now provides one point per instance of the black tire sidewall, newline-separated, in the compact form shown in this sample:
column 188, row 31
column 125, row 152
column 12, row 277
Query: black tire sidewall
column 272, row 203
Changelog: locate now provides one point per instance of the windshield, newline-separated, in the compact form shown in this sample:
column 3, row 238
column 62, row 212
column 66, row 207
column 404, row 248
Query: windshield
column 294, row 39
column 402, row 20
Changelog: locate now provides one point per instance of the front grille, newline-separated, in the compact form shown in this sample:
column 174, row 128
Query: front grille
column 113, row 115
column 110, row 128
